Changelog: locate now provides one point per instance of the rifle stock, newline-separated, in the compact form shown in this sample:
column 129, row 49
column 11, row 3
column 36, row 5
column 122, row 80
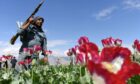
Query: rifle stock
column 14, row 38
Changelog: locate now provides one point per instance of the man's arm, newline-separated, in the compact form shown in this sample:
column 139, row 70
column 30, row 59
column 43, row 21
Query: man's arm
column 26, row 25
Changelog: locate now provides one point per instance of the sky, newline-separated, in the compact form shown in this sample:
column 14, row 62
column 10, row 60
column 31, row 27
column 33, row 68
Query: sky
column 68, row 20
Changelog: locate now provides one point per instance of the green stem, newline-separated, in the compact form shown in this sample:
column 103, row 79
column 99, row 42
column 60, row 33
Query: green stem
column 32, row 76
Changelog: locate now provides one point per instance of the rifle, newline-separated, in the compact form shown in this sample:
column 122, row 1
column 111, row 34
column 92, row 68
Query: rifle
column 14, row 38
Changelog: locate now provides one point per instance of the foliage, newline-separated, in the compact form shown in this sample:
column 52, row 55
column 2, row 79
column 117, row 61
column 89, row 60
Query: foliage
column 51, row 74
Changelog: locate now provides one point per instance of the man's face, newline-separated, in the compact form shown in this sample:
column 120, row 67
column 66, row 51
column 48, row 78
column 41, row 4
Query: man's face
column 39, row 22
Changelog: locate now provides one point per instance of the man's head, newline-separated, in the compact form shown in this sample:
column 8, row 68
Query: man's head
column 38, row 21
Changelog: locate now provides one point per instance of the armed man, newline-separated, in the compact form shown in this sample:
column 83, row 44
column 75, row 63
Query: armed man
column 31, row 34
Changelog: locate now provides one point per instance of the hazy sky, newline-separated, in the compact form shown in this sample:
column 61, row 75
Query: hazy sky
column 67, row 20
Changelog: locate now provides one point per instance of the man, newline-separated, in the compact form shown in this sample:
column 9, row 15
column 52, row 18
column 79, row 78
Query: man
column 13, row 62
column 31, row 34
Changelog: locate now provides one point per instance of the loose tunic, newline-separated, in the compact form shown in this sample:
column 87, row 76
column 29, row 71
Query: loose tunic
column 32, row 36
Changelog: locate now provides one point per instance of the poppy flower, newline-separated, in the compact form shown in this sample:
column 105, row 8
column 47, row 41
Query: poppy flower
column 37, row 48
column 78, row 54
column 28, row 51
column 47, row 52
column 107, row 42
column 104, row 74
column 118, row 42
column 80, row 58
column 89, row 49
column 28, row 61
column 21, row 63
column 137, row 45
column 83, row 39
column 116, row 66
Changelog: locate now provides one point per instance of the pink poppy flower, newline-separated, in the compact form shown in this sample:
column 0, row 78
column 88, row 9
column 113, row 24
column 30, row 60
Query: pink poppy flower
column 48, row 52
column 118, row 42
column 78, row 54
column 3, row 59
column 83, row 39
column 108, row 42
column 37, row 48
column 28, row 51
column 25, row 50
column 79, row 58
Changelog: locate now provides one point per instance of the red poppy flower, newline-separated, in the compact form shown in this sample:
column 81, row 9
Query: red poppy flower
column 30, row 51
column 108, row 77
column 109, row 53
column 127, row 68
column 7, row 57
column 28, row 61
column 21, row 62
column 89, row 49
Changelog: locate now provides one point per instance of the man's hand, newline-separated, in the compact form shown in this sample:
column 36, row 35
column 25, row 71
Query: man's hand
column 26, row 24
column 31, row 19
